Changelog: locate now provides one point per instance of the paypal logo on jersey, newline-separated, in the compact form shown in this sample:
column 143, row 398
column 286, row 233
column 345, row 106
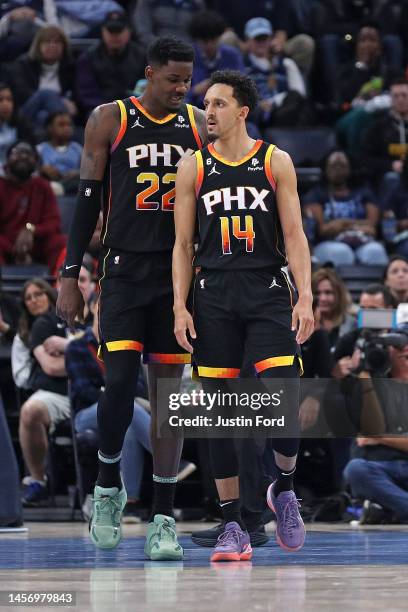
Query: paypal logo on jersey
column 255, row 165
column 181, row 122
column 155, row 154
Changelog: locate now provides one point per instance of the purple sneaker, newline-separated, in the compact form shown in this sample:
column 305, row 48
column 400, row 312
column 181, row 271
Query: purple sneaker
column 290, row 530
column 232, row 545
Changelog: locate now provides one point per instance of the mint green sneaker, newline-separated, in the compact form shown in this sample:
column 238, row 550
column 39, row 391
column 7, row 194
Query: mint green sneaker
column 161, row 540
column 107, row 508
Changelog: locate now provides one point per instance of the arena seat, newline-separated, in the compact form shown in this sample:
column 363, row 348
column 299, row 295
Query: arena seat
column 307, row 148
column 358, row 276
column 15, row 275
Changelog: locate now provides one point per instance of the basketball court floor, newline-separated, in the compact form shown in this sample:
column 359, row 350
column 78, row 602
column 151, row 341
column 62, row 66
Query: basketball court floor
column 340, row 569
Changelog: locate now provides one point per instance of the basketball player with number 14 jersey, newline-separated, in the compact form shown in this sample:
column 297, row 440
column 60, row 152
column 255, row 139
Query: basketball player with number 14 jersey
column 243, row 193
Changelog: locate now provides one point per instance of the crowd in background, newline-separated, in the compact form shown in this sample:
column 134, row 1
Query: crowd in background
column 337, row 64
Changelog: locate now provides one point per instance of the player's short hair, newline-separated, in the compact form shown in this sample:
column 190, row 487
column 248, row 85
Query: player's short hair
column 245, row 91
column 168, row 48
column 207, row 25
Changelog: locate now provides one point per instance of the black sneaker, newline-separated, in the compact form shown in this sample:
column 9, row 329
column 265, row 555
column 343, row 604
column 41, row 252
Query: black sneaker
column 209, row 537
column 374, row 514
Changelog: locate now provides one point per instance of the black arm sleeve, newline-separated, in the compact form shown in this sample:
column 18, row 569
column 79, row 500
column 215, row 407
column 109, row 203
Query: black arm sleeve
column 87, row 209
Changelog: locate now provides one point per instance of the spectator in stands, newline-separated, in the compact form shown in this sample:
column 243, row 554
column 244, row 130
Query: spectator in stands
column 396, row 208
column 378, row 470
column 13, row 126
column 29, row 217
column 60, row 155
column 362, row 89
column 206, row 29
column 346, row 217
column 111, row 68
column 292, row 20
column 20, row 20
column 385, row 145
column 83, row 18
column 43, row 79
column 396, row 278
column 49, row 403
column 367, row 74
column 333, row 301
column 336, row 27
column 281, row 87
column 153, row 18
column 345, row 360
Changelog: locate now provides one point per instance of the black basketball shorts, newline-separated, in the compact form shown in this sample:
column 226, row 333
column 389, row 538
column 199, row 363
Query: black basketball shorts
column 242, row 317
column 136, row 305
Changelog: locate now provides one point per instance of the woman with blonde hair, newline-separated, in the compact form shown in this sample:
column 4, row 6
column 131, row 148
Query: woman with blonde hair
column 333, row 301
column 43, row 79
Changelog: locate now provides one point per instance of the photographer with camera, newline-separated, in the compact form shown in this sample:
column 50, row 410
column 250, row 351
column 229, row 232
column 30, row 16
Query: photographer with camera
column 378, row 471
column 373, row 363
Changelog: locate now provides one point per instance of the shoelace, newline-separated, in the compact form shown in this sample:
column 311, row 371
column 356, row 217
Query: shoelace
column 290, row 515
column 105, row 508
column 166, row 532
column 231, row 534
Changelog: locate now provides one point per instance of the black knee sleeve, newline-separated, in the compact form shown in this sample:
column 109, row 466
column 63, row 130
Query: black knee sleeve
column 115, row 408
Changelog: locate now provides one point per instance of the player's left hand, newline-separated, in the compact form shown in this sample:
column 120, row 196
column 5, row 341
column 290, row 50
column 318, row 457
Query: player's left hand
column 303, row 320
column 183, row 321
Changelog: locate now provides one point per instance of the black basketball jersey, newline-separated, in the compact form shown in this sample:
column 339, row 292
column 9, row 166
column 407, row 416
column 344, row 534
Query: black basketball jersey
column 139, row 185
column 239, row 226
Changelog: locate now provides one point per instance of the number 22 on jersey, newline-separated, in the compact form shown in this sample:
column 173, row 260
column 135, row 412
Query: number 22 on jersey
column 167, row 200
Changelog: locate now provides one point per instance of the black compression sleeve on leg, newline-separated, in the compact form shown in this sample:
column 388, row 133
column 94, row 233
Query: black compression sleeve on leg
column 87, row 209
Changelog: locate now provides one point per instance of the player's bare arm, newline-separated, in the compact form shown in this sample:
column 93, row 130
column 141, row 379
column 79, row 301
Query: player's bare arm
column 183, row 252
column 297, row 249
column 100, row 132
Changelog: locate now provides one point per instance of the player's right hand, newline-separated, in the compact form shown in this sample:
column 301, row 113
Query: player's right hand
column 70, row 303
column 183, row 321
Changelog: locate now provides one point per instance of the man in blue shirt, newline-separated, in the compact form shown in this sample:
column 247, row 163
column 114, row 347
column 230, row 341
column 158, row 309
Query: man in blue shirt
column 206, row 29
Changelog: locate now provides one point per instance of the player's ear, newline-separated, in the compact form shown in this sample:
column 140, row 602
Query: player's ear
column 149, row 72
column 244, row 112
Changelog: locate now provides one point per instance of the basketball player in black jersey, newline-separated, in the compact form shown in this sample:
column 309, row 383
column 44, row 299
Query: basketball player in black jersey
column 131, row 153
column 244, row 194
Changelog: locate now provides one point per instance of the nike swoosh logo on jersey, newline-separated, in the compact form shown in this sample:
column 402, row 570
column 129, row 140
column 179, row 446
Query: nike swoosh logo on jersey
column 73, row 266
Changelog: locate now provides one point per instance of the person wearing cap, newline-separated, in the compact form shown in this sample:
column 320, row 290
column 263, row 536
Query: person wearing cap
column 110, row 69
column 281, row 87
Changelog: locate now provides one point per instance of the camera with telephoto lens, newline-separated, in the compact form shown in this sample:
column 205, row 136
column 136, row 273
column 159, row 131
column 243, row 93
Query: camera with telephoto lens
column 378, row 331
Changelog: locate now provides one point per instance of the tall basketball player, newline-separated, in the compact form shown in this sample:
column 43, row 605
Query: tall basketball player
column 132, row 150
column 244, row 195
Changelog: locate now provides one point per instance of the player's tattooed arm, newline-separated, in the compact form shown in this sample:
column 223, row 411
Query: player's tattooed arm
column 296, row 245
column 183, row 252
column 100, row 132
column 201, row 125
